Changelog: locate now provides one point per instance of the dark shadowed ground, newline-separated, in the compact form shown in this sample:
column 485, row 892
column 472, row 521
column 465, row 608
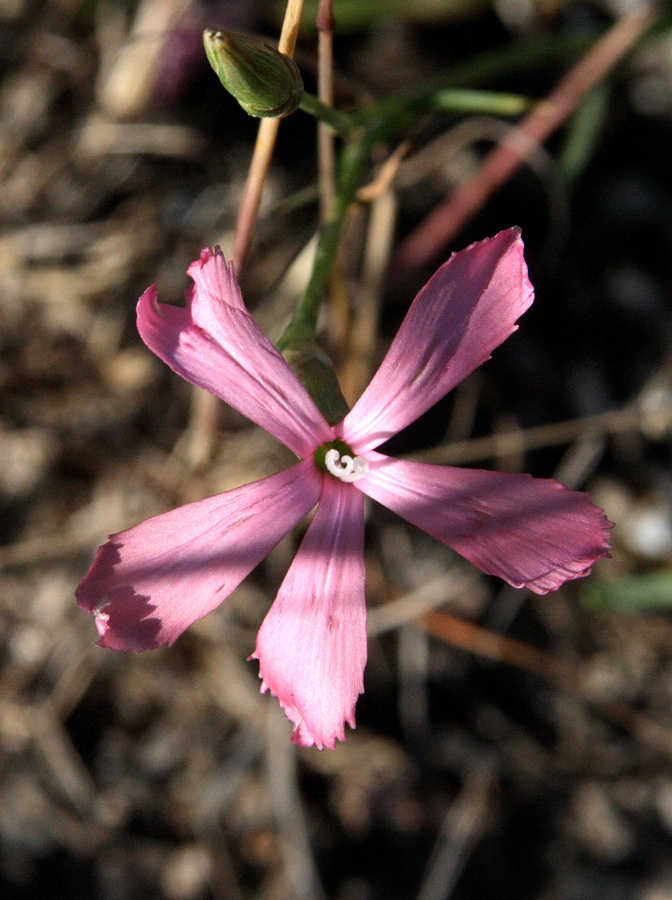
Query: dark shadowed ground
column 535, row 767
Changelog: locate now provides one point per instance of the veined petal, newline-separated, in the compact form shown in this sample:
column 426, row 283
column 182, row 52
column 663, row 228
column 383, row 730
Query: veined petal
column 532, row 532
column 215, row 343
column 312, row 644
column 465, row 310
column 150, row 583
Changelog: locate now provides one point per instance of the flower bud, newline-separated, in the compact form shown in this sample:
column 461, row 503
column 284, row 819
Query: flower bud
column 265, row 82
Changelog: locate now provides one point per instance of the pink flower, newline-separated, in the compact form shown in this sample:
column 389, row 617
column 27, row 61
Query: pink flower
column 149, row 583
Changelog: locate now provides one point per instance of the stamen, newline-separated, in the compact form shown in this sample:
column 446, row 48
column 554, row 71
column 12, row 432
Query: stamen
column 98, row 611
column 345, row 467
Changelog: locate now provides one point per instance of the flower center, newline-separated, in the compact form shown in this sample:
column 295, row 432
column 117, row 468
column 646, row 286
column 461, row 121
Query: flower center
column 338, row 459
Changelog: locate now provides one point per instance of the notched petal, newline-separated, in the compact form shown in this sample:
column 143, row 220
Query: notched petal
column 150, row 583
column 466, row 310
column 531, row 532
column 215, row 343
column 312, row 644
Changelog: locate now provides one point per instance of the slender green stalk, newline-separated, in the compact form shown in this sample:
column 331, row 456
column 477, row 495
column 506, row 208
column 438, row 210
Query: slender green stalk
column 394, row 114
column 480, row 103
column 584, row 131
column 298, row 344
column 353, row 164
column 342, row 123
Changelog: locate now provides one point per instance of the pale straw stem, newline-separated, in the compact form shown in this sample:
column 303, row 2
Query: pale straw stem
column 263, row 149
column 325, row 92
column 204, row 406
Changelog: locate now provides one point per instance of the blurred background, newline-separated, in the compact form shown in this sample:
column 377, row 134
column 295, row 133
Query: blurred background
column 507, row 745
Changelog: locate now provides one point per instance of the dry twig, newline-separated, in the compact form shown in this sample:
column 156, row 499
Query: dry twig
column 443, row 224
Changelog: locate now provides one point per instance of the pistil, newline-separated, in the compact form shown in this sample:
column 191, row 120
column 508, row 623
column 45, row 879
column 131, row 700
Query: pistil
column 336, row 458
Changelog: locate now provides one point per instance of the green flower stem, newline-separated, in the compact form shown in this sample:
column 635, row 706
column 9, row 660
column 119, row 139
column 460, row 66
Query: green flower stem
column 342, row 123
column 298, row 344
column 353, row 165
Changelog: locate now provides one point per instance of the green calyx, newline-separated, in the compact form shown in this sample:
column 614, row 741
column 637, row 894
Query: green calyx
column 265, row 82
column 321, row 452
column 316, row 373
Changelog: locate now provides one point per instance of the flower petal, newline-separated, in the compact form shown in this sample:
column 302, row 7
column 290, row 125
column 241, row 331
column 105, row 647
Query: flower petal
column 468, row 308
column 150, row 583
column 312, row 644
column 215, row 343
column 531, row 532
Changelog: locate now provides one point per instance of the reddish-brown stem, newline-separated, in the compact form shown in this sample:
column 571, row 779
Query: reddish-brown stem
column 325, row 90
column 432, row 235
column 471, row 637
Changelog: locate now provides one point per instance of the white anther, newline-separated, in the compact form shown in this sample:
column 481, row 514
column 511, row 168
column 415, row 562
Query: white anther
column 98, row 611
column 345, row 468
